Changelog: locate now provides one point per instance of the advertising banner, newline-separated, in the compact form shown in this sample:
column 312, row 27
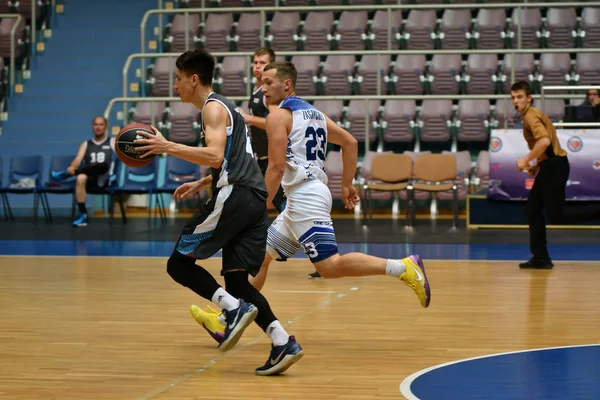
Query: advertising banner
column 583, row 151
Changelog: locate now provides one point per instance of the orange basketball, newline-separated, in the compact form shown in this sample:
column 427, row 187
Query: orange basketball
column 125, row 148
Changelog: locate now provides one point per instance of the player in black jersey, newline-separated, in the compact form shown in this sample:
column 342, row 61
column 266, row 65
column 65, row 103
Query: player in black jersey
column 256, row 119
column 234, row 220
column 93, row 165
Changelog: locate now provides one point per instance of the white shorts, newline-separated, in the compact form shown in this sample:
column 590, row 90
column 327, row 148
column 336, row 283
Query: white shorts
column 306, row 221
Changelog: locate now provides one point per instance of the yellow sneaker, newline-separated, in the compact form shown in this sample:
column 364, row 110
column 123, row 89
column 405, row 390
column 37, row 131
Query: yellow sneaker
column 416, row 279
column 209, row 321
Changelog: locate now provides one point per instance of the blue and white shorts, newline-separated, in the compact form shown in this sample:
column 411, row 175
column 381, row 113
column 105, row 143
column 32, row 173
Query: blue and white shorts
column 305, row 222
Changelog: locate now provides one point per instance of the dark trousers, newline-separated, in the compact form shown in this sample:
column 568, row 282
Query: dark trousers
column 548, row 194
column 279, row 199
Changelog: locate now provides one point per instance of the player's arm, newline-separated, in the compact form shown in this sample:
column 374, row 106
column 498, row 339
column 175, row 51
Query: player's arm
column 349, row 144
column 79, row 157
column 258, row 122
column 189, row 188
column 540, row 133
column 278, row 125
column 215, row 118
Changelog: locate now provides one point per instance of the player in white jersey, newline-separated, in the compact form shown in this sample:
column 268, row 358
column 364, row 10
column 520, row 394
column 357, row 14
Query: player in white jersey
column 298, row 135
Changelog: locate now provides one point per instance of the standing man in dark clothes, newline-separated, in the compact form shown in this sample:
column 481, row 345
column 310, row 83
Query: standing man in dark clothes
column 552, row 168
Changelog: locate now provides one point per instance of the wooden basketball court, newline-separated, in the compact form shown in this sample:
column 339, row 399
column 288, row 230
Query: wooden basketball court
column 120, row 328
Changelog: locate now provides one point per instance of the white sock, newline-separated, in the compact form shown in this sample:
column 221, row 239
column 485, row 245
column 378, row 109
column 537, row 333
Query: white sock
column 278, row 335
column 225, row 300
column 222, row 319
column 395, row 268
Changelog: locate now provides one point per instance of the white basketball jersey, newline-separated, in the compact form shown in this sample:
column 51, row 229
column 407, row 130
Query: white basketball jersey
column 307, row 144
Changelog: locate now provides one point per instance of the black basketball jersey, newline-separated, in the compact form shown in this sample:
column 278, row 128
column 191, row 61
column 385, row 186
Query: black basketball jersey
column 259, row 136
column 99, row 153
column 239, row 165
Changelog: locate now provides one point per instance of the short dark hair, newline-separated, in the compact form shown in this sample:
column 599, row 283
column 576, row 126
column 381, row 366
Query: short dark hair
column 521, row 85
column 285, row 70
column 262, row 51
column 100, row 116
column 197, row 62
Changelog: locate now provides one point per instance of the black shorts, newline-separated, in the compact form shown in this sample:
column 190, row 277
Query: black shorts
column 234, row 221
column 92, row 184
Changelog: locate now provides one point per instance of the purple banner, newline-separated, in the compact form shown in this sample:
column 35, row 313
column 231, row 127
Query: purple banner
column 583, row 151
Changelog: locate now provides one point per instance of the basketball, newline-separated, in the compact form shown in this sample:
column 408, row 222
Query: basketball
column 125, row 148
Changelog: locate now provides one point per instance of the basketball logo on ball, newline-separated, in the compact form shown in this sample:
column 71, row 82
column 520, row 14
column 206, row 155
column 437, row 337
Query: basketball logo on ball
column 127, row 151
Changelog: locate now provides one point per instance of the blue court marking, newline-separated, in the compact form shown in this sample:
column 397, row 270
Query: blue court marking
column 493, row 252
column 556, row 373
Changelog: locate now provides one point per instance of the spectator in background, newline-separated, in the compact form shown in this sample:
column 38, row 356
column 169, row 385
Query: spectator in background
column 593, row 100
column 92, row 166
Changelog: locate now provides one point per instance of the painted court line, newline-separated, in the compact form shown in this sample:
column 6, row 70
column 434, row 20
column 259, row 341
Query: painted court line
column 406, row 391
column 236, row 350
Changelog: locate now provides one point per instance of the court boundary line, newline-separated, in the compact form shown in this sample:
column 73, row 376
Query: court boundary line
column 405, row 385
column 238, row 349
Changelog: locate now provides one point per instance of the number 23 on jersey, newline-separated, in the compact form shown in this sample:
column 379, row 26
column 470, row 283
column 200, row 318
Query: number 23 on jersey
column 315, row 145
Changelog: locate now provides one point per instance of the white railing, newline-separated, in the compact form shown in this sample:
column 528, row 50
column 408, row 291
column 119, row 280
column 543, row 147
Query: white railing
column 389, row 8
column 366, row 98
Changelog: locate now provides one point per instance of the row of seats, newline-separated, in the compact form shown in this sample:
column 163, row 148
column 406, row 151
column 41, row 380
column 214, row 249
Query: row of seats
column 485, row 28
column 402, row 74
column 270, row 3
column 470, row 177
column 27, row 175
column 301, row 3
column 392, row 121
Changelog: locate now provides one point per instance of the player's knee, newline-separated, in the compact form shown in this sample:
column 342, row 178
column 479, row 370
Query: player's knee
column 328, row 268
column 179, row 267
column 81, row 179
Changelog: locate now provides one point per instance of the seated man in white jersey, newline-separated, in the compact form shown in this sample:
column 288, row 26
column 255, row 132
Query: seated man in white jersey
column 298, row 136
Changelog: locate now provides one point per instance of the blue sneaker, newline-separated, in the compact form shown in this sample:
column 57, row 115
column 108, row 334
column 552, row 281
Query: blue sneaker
column 82, row 220
column 60, row 175
column 281, row 358
column 237, row 321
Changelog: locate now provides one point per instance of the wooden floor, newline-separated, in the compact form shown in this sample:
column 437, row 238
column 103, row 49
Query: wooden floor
column 120, row 328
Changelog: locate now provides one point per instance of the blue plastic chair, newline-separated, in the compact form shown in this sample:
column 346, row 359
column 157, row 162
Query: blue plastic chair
column 5, row 206
column 57, row 163
column 24, row 167
column 137, row 181
column 177, row 172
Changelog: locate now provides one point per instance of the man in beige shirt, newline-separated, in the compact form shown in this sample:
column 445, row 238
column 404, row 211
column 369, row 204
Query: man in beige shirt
column 551, row 174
